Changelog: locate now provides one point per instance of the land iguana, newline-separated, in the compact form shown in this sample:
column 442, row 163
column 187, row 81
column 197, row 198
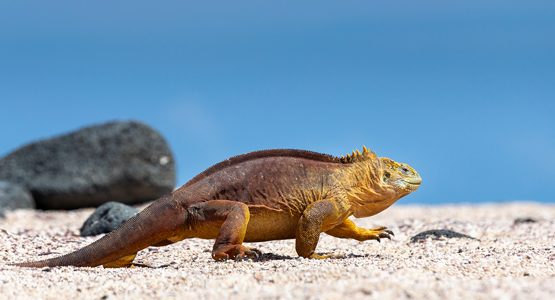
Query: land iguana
column 259, row 196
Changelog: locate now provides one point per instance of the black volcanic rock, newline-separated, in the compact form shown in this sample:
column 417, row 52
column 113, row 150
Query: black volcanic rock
column 13, row 196
column 106, row 218
column 437, row 234
column 127, row 162
column 524, row 220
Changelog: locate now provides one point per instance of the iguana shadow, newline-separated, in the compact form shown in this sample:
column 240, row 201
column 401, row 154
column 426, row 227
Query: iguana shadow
column 271, row 256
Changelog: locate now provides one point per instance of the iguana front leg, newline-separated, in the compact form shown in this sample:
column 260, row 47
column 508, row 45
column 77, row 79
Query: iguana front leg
column 349, row 230
column 231, row 218
column 316, row 218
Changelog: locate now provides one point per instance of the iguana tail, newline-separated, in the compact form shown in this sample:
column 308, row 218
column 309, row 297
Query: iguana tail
column 159, row 221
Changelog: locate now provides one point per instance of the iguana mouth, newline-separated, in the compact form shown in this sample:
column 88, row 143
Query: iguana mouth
column 413, row 181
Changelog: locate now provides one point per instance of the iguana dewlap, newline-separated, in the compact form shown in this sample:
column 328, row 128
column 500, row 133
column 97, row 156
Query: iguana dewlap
column 259, row 196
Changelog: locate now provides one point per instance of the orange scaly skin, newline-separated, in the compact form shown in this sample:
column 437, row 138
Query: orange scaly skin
column 260, row 196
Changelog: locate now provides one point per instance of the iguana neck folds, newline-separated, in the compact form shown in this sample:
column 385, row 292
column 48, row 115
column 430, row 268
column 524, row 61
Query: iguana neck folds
column 373, row 184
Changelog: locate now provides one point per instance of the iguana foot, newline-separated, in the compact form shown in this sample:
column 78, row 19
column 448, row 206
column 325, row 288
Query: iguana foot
column 122, row 262
column 237, row 252
column 252, row 253
column 380, row 232
column 348, row 229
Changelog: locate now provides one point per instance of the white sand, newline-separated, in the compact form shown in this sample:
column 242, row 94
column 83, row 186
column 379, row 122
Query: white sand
column 507, row 262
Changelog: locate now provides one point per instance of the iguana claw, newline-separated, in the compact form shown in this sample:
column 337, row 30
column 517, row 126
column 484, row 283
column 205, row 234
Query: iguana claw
column 384, row 235
column 249, row 253
column 257, row 252
column 236, row 252
column 381, row 232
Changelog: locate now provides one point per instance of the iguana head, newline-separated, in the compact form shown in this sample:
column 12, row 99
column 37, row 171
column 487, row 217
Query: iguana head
column 374, row 183
column 400, row 178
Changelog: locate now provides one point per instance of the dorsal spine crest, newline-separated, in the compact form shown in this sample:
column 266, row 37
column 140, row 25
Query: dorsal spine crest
column 357, row 156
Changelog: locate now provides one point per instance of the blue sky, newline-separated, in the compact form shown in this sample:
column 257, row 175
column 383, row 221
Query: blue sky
column 463, row 91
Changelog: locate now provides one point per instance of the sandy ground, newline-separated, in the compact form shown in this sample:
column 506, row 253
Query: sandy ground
column 507, row 260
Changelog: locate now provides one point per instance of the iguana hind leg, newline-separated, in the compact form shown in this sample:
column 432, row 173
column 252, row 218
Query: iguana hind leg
column 349, row 230
column 126, row 261
column 231, row 218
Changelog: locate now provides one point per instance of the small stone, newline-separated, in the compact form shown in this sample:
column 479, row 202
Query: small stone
column 524, row 220
column 366, row 291
column 106, row 218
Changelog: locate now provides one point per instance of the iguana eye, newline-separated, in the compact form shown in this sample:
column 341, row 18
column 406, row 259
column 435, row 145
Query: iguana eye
column 386, row 175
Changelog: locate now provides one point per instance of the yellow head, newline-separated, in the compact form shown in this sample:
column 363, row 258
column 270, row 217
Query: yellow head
column 374, row 183
column 400, row 178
